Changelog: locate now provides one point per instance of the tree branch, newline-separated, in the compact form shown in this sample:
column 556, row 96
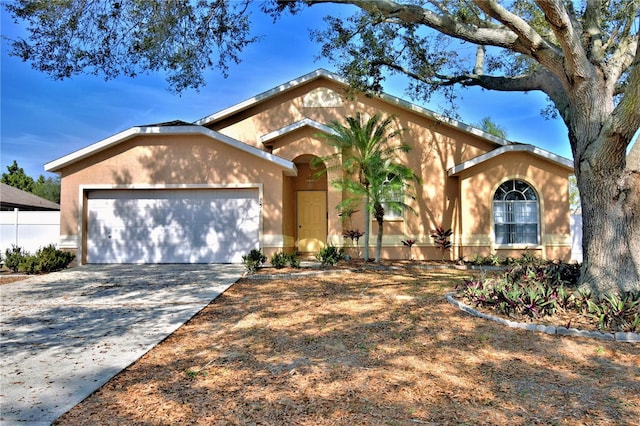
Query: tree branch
column 593, row 31
column 627, row 113
column 446, row 24
column 577, row 65
column 535, row 46
column 540, row 80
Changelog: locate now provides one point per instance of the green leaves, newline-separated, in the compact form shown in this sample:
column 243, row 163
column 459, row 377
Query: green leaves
column 541, row 289
column 254, row 260
column 279, row 260
column 616, row 311
column 368, row 155
column 47, row 259
column 330, row 255
column 130, row 37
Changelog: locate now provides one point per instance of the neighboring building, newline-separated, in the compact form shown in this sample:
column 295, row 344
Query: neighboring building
column 26, row 220
column 239, row 179
column 13, row 198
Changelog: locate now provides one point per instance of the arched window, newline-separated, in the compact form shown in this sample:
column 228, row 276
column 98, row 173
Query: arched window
column 516, row 213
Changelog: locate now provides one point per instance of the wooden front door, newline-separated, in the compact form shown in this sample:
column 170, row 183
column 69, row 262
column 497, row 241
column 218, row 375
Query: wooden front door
column 312, row 221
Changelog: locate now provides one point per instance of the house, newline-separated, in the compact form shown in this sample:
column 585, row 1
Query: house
column 13, row 198
column 26, row 220
column 212, row 190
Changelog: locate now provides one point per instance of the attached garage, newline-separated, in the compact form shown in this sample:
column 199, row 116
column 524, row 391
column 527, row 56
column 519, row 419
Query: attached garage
column 171, row 225
column 170, row 193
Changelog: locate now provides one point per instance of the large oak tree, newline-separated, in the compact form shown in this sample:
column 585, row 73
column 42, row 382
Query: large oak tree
column 583, row 55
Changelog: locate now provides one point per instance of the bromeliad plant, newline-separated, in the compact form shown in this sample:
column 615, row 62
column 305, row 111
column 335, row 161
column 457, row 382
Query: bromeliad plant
column 542, row 289
column 354, row 235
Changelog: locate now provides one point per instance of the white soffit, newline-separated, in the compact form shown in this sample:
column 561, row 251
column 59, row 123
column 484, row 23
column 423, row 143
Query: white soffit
column 306, row 122
column 564, row 162
column 290, row 168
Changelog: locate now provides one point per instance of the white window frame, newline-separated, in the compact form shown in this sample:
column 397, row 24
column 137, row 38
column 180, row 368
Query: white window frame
column 514, row 219
column 390, row 214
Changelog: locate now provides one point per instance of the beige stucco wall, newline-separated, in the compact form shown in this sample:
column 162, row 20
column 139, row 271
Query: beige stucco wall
column 163, row 160
column 462, row 202
column 436, row 147
column 478, row 185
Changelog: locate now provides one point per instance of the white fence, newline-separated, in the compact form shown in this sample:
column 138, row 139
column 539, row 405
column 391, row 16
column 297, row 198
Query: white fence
column 575, row 222
column 29, row 230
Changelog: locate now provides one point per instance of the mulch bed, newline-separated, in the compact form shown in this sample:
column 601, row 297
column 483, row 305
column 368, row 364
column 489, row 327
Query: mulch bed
column 7, row 276
column 369, row 347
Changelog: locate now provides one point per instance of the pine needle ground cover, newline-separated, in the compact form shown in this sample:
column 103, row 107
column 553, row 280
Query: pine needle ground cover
column 376, row 347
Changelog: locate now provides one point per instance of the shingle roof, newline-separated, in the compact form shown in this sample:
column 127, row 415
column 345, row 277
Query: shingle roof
column 11, row 198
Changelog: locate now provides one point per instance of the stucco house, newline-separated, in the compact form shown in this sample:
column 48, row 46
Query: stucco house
column 212, row 190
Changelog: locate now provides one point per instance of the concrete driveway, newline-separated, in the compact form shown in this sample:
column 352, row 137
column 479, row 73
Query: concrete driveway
column 65, row 334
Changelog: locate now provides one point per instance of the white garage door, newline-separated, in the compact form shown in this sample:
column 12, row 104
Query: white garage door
column 172, row 226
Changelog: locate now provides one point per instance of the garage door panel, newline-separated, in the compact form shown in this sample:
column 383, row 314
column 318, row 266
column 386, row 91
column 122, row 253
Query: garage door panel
column 177, row 226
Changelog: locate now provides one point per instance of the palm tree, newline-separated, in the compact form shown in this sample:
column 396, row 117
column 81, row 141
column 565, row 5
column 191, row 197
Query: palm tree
column 368, row 157
column 387, row 191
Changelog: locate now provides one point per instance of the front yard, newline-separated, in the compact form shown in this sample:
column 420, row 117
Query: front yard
column 375, row 347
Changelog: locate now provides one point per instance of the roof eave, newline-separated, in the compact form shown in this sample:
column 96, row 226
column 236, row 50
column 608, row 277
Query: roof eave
column 57, row 165
column 539, row 152
column 283, row 88
column 322, row 73
column 270, row 137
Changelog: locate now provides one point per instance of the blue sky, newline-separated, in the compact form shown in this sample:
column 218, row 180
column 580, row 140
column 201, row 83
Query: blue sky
column 43, row 119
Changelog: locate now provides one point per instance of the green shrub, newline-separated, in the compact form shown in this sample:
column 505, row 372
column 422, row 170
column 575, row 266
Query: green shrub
column 47, row 259
column 13, row 257
column 28, row 264
column 279, row 260
column 293, row 260
column 254, row 260
column 330, row 255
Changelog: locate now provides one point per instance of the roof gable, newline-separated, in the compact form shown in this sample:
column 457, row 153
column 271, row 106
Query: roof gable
column 270, row 137
column 324, row 74
column 164, row 129
column 549, row 156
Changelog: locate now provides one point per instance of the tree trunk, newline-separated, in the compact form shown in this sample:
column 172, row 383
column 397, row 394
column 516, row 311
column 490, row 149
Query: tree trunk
column 600, row 132
column 367, row 223
column 610, row 198
column 379, row 241
column 379, row 215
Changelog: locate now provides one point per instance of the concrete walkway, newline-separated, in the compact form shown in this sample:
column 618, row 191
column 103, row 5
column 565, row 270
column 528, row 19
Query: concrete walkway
column 65, row 334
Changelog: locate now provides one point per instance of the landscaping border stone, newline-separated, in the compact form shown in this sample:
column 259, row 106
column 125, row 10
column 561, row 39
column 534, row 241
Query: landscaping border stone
column 561, row 331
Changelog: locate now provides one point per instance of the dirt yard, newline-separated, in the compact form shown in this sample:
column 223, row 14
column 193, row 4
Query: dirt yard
column 367, row 348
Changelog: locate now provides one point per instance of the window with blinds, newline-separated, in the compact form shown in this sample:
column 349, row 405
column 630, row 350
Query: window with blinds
column 516, row 214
